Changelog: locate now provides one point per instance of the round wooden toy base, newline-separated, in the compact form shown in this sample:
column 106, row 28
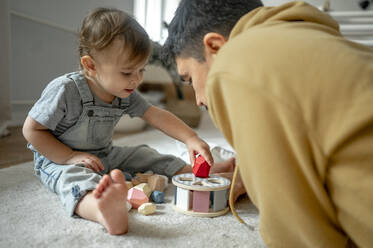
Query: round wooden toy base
column 199, row 214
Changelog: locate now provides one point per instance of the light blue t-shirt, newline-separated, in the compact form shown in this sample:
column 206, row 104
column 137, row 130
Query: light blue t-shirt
column 60, row 105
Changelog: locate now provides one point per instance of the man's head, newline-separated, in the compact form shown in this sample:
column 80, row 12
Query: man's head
column 197, row 32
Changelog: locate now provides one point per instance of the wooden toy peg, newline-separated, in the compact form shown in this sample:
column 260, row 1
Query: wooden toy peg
column 136, row 197
column 157, row 196
column 143, row 177
column 158, row 182
column 144, row 187
column 147, row 208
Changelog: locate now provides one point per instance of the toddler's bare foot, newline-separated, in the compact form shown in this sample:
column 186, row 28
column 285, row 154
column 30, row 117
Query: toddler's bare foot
column 239, row 188
column 111, row 194
column 103, row 184
column 226, row 166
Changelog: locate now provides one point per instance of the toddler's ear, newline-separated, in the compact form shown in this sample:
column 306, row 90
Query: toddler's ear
column 88, row 64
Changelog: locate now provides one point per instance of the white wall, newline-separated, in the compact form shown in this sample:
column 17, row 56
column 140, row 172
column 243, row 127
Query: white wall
column 355, row 23
column 334, row 4
column 5, row 115
column 41, row 52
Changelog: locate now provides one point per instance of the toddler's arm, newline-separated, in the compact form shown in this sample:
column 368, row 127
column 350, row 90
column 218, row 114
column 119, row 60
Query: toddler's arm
column 50, row 147
column 176, row 128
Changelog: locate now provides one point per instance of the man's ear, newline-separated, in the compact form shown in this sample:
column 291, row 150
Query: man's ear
column 89, row 64
column 213, row 42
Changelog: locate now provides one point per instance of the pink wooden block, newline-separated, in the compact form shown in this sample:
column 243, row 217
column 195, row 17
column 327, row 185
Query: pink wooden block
column 201, row 201
column 136, row 197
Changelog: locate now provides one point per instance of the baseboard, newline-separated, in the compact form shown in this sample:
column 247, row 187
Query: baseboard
column 3, row 129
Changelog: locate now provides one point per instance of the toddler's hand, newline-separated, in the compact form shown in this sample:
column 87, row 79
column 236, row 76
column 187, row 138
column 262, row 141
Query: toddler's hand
column 90, row 161
column 196, row 146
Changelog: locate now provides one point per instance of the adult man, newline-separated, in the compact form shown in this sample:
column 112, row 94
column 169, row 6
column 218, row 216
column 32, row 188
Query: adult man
column 294, row 99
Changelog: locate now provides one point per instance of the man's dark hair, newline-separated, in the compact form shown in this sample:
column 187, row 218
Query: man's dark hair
column 195, row 18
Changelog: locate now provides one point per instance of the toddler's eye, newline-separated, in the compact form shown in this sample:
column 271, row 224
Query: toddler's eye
column 126, row 73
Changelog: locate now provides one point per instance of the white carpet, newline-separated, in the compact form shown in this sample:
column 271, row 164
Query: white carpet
column 31, row 216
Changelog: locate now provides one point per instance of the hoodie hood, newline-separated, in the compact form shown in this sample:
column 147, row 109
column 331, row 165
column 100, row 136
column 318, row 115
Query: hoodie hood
column 289, row 12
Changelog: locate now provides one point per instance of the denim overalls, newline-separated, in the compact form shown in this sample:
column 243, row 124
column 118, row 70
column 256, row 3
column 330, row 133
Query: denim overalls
column 93, row 133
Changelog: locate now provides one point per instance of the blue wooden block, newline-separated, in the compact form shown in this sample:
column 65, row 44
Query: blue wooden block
column 220, row 200
column 157, row 196
column 175, row 196
column 127, row 176
column 211, row 198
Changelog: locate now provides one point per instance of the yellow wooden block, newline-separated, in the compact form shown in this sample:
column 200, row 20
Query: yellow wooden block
column 158, row 182
column 129, row 184
column 147, row 208
column 135, row 181
column 144, row 187
column 143, row 177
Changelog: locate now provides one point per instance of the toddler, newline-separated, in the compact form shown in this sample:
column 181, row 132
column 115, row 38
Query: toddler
column 70, row 127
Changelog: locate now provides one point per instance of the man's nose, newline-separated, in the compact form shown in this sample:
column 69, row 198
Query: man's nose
column 199, row 102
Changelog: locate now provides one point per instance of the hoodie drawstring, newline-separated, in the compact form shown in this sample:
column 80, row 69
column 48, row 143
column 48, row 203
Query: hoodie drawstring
column 231, row 201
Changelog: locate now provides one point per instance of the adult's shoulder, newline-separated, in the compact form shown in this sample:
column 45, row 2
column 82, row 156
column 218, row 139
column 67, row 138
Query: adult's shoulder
column 242, row 53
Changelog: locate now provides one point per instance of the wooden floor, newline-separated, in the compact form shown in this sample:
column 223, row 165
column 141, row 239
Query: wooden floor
column 13, row 148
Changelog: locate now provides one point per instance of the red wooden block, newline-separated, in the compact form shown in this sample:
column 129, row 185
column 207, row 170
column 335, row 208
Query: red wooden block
column 201, row 168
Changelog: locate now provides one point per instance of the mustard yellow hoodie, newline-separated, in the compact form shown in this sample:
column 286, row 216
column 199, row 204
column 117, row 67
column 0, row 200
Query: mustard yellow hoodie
column 295, row 100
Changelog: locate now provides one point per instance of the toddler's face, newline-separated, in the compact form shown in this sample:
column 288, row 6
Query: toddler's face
column 115, row 74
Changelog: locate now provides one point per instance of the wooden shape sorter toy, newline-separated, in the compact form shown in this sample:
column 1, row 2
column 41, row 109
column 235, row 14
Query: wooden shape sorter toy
column 203, row 197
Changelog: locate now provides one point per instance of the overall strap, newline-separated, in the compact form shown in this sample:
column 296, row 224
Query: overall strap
column 124, row 102
column 83, row 88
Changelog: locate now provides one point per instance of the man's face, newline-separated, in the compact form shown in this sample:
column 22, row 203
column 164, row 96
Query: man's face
column 194, row 72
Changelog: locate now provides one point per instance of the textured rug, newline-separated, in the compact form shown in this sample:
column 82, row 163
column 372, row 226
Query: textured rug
column 32, row 216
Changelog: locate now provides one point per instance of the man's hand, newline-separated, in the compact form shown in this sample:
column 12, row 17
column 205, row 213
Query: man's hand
column 196, row 146
column 90, row 161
